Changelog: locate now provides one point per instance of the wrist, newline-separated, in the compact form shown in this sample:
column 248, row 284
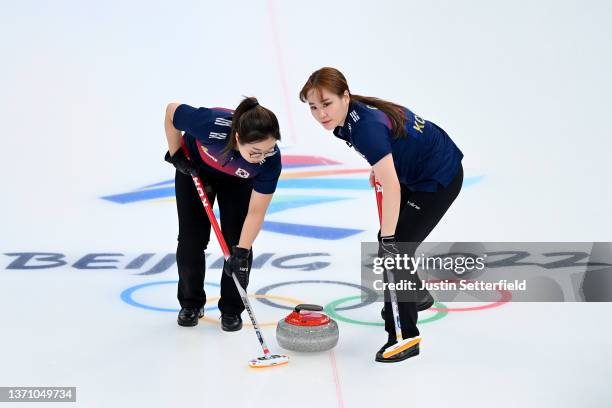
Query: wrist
column 241, row 252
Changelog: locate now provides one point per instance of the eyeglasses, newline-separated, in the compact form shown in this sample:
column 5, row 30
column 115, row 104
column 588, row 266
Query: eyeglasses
column 262, row 155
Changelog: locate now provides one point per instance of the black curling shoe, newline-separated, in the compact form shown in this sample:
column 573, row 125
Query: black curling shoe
column 189, row 316
column 231, row 322
column 401, row 356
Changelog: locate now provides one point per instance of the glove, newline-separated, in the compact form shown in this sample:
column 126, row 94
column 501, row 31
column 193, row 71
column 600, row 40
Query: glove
column 387, row 246
column 182, row 163
column 238, row 263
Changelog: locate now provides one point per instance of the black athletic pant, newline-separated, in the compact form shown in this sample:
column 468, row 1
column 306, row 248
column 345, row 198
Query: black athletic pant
column 233, row 194
column 420, row 212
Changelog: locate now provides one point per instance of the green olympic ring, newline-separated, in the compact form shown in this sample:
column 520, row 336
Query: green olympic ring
column 330, row 309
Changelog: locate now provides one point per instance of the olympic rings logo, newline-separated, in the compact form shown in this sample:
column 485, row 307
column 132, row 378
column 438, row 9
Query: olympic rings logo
column 333, row 308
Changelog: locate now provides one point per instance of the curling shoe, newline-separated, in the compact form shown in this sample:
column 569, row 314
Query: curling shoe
column 189, row 316
column 401, row 356
column 231, row 322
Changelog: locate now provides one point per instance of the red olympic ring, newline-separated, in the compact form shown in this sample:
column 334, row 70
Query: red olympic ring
column 506, row 296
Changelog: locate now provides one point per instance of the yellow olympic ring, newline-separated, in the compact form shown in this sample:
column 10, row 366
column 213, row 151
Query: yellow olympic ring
column 269, row 324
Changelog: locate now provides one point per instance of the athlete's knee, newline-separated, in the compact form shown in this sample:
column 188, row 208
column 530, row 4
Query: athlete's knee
column 192, row 243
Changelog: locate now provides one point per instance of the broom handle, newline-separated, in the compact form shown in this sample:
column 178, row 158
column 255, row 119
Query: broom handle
column 390, row 278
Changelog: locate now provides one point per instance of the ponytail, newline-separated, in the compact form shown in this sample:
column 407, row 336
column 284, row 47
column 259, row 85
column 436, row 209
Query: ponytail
column 253, row 123
column 393, row 111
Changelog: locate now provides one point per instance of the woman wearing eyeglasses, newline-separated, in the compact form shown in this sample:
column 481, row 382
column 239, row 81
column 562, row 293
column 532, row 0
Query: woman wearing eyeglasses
column 235, row 154
column 417, row 163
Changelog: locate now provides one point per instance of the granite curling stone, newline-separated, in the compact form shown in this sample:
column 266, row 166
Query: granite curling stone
column 307, row 329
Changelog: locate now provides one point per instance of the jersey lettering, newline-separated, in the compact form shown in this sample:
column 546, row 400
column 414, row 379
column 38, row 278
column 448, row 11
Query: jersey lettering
column 419, row 124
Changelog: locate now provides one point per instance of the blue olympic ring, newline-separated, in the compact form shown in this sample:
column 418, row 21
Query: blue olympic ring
column 126, row 296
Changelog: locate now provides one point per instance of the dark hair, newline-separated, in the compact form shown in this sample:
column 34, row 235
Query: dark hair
column 333, row 80
column 253, row 123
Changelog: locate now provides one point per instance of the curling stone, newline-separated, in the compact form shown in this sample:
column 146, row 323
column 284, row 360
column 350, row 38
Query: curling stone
column 307, row 329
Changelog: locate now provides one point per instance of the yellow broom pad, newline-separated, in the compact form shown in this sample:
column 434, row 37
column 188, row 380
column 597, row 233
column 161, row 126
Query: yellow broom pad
column 401, row 346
